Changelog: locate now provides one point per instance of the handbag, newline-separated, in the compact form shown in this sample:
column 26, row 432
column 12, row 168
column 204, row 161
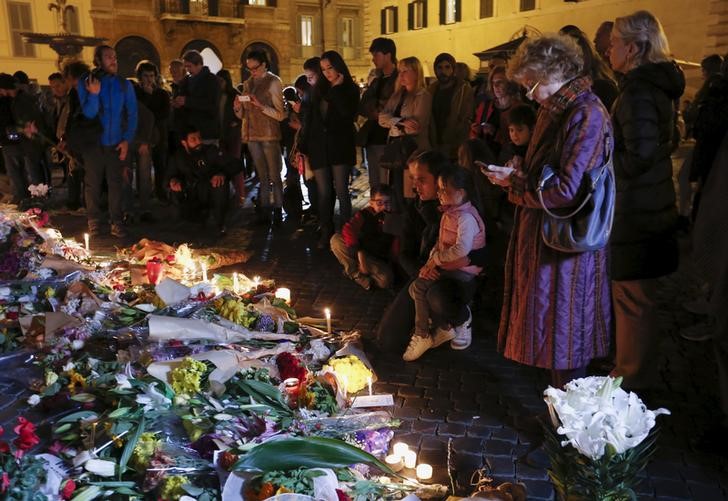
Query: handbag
column 396, row 152
column 586, row 228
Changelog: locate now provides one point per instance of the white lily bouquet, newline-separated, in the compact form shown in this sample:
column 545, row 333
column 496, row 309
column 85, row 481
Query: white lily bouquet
column 602, row 437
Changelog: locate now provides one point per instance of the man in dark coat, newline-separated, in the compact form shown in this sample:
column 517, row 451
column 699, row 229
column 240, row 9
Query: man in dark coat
column 198, row 178
column 198, row 101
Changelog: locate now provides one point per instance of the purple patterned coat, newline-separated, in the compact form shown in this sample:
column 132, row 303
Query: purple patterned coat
column 556, row 310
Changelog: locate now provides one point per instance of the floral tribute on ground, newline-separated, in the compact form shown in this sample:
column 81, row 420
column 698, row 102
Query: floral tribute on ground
column 194, row 388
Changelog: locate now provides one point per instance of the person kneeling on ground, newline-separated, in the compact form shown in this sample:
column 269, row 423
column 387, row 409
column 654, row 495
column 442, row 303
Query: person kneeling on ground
column 363, row 248
column 198, row 177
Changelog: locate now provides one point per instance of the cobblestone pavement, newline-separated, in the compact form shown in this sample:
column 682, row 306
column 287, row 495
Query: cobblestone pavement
column 472, row 396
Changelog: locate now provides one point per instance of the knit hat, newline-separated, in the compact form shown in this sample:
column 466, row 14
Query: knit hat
column 444, row 56
column 7, row 81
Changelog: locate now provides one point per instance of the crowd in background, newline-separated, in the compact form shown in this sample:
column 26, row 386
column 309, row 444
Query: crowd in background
column 452, row 164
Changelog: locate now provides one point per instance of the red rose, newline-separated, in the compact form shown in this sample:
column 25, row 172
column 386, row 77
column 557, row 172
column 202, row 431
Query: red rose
column 68, row 489
column 26, row 435
column 342, row 496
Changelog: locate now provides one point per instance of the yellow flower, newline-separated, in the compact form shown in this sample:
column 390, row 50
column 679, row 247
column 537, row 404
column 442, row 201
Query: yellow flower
column 172, row 487
column 75, row 379
column 352, row 370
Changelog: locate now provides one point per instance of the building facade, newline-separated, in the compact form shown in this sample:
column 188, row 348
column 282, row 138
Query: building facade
column 424, row 28
column 19, row 16
column 288, row 30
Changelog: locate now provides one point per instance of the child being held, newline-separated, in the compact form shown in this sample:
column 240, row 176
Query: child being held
column 363, row 248
column 461, row 230
column 522, row 118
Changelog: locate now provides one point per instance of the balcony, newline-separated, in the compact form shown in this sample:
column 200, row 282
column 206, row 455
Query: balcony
column 211, row 11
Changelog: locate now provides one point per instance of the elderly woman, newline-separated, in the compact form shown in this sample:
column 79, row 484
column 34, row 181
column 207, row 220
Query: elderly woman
column 643, row 245
column 556, row 309
column 407, row 113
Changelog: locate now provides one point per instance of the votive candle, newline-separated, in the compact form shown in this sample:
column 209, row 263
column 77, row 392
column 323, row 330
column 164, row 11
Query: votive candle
column 400, row 448
column 327, row 312
column 424, row 471
column 410, row 459
column 86, row 241
column 284, row 294
column 394, row 462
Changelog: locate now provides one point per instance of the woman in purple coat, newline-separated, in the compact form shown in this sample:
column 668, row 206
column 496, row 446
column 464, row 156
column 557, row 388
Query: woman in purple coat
column 556, row 310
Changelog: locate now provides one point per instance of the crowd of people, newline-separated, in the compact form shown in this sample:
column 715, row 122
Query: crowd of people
column 451, row 164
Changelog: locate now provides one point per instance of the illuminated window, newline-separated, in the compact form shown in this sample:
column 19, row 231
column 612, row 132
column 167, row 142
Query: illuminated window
column 347, row 32
column 389, row 20
column 417, row 15
column 450, row 11
column 307, row 31
column 20, row 21
column 261, row 3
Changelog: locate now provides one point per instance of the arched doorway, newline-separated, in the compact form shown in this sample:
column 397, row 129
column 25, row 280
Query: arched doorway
column 131, row 50
column 272, row 57
column 211, row 56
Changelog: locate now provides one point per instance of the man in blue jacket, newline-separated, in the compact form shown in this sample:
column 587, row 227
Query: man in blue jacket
column 111, row 99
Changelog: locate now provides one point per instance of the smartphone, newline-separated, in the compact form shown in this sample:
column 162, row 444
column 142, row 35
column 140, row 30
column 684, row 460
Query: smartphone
column 244, row 98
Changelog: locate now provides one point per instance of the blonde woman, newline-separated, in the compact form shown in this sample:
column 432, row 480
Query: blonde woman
column 407, row 113
column 643, row 245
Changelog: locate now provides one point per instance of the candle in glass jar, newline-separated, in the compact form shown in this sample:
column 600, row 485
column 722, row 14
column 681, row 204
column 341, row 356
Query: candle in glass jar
column 400, row 448
column 394, row 462
column 86, row 241
column 424, row 471
column 327, row 312
column 369, row 385
column 410, row 459
column 284, row 294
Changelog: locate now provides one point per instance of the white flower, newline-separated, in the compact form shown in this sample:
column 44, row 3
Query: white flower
column 76, row 344
column 122, row 382
column 5, row 293
column 101, row 467
column 45, row 273
column 38, row 190
column 593, row 412
column 34, row 400
column 152, row 399
column 69, row 366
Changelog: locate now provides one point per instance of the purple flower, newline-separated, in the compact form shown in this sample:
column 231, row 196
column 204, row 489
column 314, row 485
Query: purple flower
column 375, row 442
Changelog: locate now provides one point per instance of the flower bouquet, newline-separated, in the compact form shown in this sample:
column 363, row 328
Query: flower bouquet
column 601, row 438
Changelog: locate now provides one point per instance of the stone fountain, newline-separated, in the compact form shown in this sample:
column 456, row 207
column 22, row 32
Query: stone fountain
column 67, row 45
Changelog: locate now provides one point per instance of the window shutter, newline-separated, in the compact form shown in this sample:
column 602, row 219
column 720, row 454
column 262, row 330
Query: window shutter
column 396, row 19
column 383, row 20
column 272, row 3
column 411, row 16
column 424, row 13
column 458, row 11
column 443, row 11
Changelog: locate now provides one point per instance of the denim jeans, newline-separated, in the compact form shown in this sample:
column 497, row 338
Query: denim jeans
column 268, row 160
column 330, row 179
column 445, row 307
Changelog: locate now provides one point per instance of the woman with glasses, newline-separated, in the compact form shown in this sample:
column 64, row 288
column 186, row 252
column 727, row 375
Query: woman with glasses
column 643, row 245
column 261, row 108
column 491, row 115
column 328, row 140
column 556, row 311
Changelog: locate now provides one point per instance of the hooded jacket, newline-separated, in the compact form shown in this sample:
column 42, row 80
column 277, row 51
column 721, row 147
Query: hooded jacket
column 642, row 242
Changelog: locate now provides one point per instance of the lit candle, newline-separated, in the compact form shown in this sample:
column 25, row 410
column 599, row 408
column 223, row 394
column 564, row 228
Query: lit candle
column 86, row 240
column 400, row 448
column 327, row 312
column 369, row 384
column 236, row 284
column 410, row 459
column 203, row 266
column 394, row 462
column 256, row 281
column 284, row 294
column 424, row 471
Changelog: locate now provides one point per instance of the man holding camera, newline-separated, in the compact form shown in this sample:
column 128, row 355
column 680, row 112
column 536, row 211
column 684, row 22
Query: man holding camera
column 22, row 151
column 109, row 98
column 198, row 179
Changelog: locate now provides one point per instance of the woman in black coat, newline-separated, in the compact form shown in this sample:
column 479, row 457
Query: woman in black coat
column 643, row 244
column 329, row 139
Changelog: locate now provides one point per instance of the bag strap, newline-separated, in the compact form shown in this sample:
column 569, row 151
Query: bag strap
column 593, row 183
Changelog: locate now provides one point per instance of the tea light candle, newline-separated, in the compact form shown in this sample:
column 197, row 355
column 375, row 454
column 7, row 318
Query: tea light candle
column 369, row 385
column 236, row 283
column 284, row 294
column 327, row 312
column 86, row 241
column 424, row 471
column 410, row 459
column 203, row 266
column 399, row 449
column 256, row 282
column 394, row 462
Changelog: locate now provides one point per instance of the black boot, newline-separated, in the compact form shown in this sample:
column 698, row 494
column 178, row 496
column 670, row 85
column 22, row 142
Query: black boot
column 277, row 217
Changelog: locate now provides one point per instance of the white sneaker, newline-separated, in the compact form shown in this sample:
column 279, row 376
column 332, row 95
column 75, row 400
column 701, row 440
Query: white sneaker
column 463, row 334
column 442, row 336
column 417, row 346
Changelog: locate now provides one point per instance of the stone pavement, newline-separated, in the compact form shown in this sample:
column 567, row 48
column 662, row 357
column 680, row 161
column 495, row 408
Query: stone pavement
column 472, row 396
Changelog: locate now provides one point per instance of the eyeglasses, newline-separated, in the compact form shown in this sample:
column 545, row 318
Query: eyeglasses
column 254, row 68
column 529, row 92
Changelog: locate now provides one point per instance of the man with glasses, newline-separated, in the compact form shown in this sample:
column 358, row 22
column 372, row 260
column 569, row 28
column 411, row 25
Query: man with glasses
column 261, row 104
column 198, row 102
column 453, row 107
column 363, row 248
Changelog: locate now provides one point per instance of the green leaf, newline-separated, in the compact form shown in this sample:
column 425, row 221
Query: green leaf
column 62, row 429
column 129, row 447
column 121, row 411
column 83, row 397
column 308, row 452
column 88, row 493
